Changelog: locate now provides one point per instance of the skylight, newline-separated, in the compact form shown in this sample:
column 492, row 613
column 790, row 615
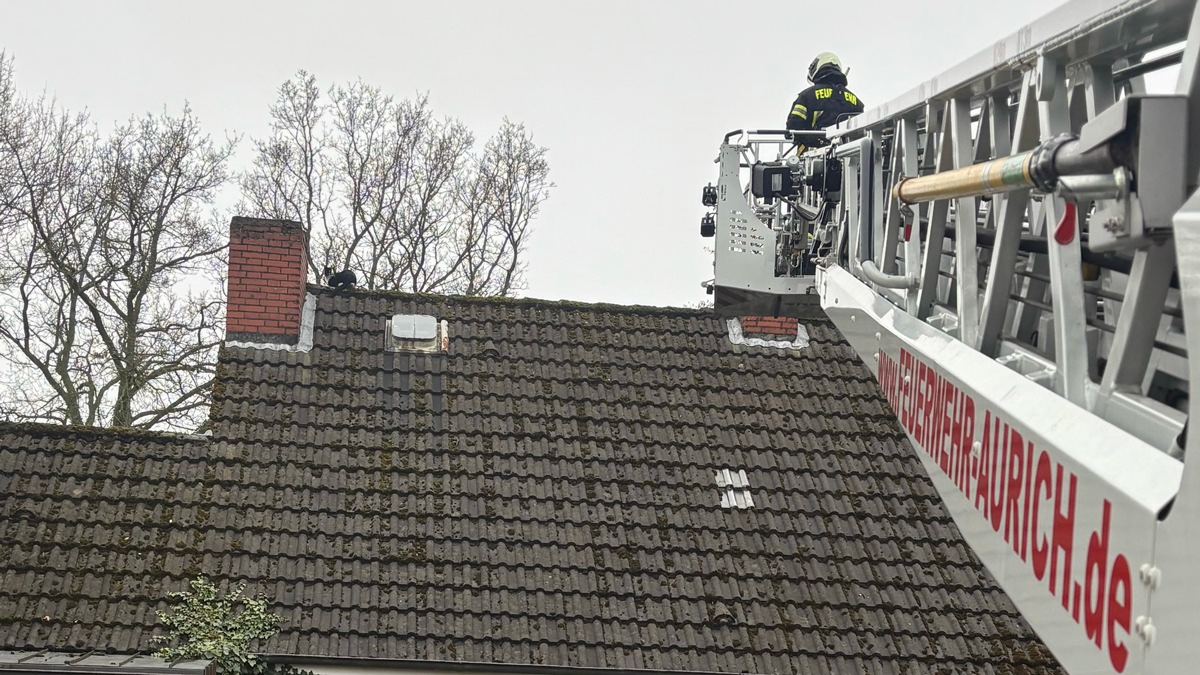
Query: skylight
column 416, row 333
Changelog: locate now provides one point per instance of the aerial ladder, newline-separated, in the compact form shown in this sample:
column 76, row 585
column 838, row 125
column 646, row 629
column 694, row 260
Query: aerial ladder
column 1013, row 248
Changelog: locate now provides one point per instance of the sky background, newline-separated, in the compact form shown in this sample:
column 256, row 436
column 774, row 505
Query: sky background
column 631, row 97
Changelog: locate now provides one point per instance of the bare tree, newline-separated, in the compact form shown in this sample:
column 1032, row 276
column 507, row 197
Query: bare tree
column 385, row 188
column 108, row 310
column 510, row 182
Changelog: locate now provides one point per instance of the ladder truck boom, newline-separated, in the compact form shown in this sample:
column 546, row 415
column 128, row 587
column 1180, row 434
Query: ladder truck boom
column 1013, row 248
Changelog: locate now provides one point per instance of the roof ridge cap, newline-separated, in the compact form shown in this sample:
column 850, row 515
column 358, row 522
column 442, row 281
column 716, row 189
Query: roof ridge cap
column 77, row 430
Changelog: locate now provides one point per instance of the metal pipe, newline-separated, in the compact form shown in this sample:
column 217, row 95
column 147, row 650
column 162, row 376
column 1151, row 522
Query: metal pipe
column 1096, row 323
column 1031, row 302
column 1093, row 186
column 875, row 276
column 986, row 238
column 1168, row 310
column 1038, row 168
column 997, row 175
column 852, row 148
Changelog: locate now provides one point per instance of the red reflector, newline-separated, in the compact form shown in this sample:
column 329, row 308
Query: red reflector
column 907, row 231
column 1064, row 233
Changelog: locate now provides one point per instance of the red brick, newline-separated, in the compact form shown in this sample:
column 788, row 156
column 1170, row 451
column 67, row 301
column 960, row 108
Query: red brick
column 267, row 273
column 769, row 325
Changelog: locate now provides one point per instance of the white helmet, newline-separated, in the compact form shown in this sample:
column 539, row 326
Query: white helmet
column 823, row 60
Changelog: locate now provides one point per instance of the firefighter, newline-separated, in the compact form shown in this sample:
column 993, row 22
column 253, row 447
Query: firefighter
column 825, row 103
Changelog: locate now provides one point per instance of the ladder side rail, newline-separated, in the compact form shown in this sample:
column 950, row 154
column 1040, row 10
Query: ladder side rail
column 1096, row 487
column 1035, row 316
column 1056, row 30
column 1169, row 625
column 1124, row 474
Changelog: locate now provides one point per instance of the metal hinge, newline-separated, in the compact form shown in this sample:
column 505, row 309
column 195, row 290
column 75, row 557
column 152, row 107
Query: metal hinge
column 1150, row 575
column 1144, row 627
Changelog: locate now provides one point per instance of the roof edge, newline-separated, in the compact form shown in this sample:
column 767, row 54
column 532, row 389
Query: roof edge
column 471, row 666
column 45, row 662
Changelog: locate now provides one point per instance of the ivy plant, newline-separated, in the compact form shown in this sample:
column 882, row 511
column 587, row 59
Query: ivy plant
column 205, row 625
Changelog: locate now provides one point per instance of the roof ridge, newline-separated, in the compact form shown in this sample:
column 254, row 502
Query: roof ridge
column 615, row 308
column 84, row 430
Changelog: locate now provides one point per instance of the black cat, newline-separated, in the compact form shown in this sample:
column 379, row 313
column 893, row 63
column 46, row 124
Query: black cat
column 341, row 280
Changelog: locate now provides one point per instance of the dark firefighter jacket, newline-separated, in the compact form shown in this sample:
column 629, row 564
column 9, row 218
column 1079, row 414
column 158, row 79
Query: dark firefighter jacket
column 822, row 105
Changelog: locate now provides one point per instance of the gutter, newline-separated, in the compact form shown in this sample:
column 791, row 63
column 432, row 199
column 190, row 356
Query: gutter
column 470, row 666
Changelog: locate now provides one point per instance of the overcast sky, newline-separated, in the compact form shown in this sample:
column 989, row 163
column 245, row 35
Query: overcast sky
column 630, row 96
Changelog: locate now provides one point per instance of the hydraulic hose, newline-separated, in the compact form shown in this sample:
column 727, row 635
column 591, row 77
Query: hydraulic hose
column 1038, row 168
column 998, row 175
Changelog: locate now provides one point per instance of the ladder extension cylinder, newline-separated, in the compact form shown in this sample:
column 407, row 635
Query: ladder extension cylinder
column 1038, row 168
column 998, row 175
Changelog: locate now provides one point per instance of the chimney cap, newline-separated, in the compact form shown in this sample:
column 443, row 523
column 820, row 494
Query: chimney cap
column 247, row 221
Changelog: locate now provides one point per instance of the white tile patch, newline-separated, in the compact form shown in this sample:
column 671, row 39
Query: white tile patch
column 738, row 338
column 735, row 489
column 307, row 316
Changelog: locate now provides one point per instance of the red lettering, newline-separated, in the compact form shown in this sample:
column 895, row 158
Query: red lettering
column 940, row 426
column 884, row 375
column 966, row 436
column 929, row 421
column 906, row 413
column 1064, row 534
column 981, row 484
column 918, row 418
column 1095, row 577
column 946, row 439
column 999, row 471
column 897, row 389
column 1011, row 489
column 954, row 424
column 1120, row 612
column 1028, row 501
column 1016, row 477
column 1040, row 547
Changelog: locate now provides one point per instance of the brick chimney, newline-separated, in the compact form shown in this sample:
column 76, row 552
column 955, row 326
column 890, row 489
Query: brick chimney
column 769, row 327
column 268, row 269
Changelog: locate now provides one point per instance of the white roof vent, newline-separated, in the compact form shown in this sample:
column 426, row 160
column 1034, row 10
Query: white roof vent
column 414, row 327
column 417, row 333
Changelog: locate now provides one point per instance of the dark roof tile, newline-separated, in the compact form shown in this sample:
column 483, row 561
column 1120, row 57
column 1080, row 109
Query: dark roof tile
column 554, row 505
